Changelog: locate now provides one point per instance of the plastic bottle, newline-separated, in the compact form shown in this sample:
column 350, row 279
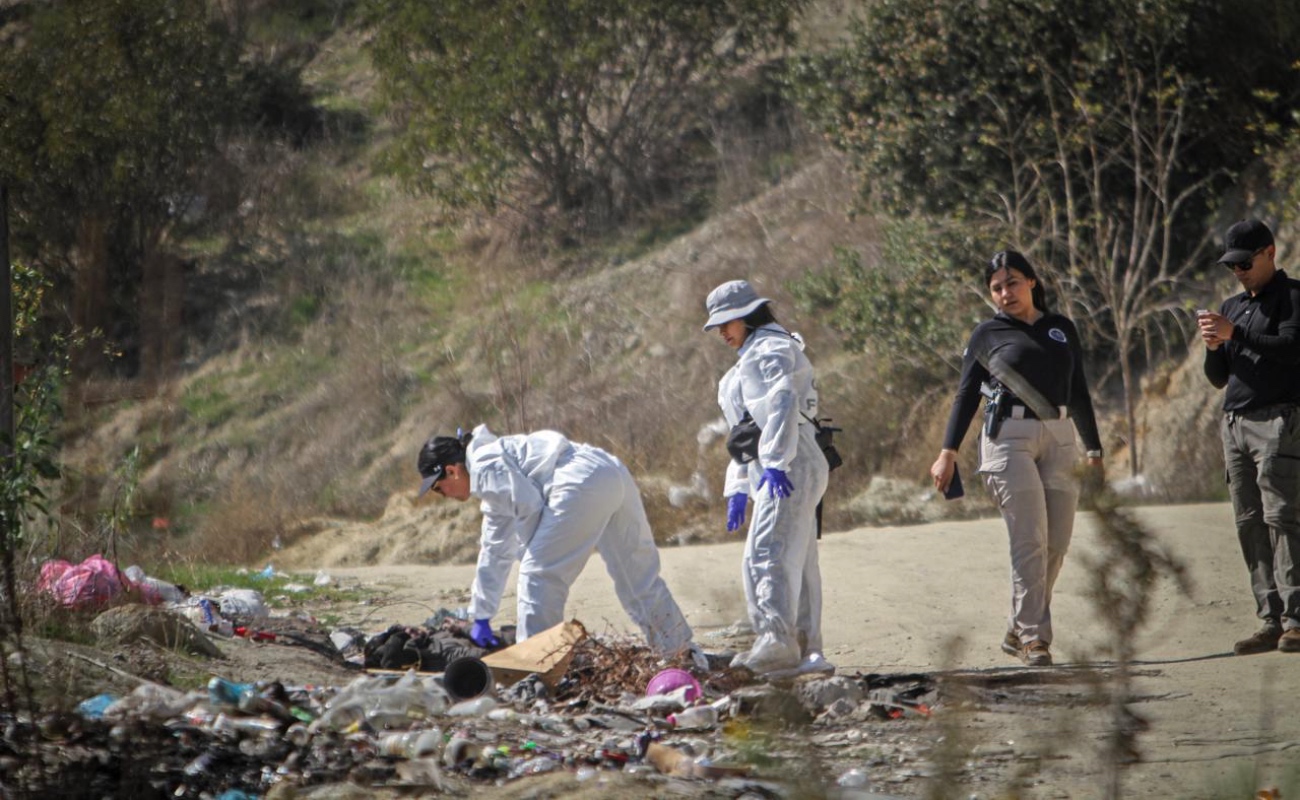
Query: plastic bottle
column 254, row 726
column 227, row 693
column 694, row 717
column 473, row 708
column 384, row 704
column 412, row 744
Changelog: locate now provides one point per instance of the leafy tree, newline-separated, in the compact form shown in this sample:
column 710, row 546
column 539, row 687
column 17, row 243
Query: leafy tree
column 913, row 311
column 589, row 102
column 1095, row 135
column 111, row 108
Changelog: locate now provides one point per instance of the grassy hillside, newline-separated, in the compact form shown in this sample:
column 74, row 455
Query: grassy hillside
column 343, row 320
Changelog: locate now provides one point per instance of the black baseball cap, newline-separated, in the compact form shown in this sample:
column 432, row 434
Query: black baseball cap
column 1243, row 240
column 438, row 453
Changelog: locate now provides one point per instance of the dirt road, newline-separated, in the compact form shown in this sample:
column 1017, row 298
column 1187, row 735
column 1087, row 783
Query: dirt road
column 896, row 600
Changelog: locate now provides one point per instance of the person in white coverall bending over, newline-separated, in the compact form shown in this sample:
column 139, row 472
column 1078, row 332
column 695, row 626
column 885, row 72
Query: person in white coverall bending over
column 552, row 502
column 772, row 383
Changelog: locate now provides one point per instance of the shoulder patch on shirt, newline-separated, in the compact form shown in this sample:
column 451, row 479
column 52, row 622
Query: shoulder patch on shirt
column 1057, row 334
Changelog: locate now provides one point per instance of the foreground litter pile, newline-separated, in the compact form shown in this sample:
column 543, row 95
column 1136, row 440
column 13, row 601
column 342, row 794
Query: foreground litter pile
column 561, row 702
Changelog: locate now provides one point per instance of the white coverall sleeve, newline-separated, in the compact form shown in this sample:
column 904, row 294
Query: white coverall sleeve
column 777, row 411
column 511, row 506
column 729, row 400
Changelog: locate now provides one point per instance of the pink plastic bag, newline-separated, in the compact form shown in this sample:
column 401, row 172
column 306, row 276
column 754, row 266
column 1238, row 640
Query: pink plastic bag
column 91, row 584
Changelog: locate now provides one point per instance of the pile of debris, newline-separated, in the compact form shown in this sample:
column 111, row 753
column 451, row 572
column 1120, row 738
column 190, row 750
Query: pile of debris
column 430, row 711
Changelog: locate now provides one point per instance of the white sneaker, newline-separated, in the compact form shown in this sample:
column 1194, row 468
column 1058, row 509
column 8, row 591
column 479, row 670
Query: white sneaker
column 816, row 662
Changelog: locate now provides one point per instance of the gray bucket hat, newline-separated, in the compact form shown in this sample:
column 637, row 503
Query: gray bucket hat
column 731, row 300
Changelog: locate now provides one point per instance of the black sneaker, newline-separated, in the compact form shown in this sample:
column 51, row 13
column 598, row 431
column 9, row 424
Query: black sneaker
column 1263, row 640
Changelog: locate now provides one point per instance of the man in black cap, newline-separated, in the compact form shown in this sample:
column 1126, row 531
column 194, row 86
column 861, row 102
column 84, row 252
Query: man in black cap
column 1253, row 349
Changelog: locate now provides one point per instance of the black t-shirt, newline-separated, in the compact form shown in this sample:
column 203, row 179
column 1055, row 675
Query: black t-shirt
column 1047, row 354
column 1261, row 364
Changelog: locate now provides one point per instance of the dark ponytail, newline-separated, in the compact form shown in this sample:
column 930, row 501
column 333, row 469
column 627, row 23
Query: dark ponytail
column 1011, row 259
column 758, row 318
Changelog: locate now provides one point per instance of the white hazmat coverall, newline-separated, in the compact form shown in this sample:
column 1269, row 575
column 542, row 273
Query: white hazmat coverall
column 554, row 501
column 773, row 380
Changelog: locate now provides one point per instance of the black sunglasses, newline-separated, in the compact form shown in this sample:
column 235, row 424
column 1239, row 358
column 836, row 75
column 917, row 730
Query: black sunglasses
column 1244, row 266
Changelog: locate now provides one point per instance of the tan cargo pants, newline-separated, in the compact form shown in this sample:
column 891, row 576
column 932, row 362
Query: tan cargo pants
column 1030, row 470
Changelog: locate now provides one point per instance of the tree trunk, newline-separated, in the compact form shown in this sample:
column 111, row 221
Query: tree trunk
column 159, row 309
column 89, row 295
column 1130, row 402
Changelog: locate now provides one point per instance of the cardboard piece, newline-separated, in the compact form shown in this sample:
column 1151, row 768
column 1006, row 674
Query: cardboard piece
column 671, row 761
column 548, row 654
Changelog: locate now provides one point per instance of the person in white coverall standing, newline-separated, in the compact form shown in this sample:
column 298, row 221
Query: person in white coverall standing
column 552, row 502
column 772, row 383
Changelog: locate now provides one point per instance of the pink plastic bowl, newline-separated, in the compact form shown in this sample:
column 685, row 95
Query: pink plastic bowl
column 670, row 680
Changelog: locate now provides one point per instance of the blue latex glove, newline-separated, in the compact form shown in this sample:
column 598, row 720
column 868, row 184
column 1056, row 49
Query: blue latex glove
column 481, row 634
column 736, row 510
column 778, row 485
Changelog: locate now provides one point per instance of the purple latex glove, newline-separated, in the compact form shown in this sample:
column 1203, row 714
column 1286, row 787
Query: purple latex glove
column 481, row 634
column 736, row 510
column 778, row 485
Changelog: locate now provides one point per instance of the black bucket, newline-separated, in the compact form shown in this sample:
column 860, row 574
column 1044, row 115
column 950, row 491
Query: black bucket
column 467, row 678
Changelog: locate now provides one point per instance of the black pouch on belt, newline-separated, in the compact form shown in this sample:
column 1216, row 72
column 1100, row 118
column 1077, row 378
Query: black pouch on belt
column 742, row 441
column 825, row 438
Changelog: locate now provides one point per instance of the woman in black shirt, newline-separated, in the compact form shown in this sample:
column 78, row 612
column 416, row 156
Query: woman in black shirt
column 1028, row 361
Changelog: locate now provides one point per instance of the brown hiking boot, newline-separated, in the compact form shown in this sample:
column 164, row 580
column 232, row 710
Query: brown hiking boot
column 1263, row 640
column 1011, row 644
column 1290, row 641
column 1036, row 654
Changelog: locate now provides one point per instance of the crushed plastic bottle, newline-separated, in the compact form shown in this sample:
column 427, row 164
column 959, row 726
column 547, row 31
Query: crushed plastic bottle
column 384, row 704
column 533, row 766
column 699, row 717
column 252, row 726
column 473, row 708
column 412, row 744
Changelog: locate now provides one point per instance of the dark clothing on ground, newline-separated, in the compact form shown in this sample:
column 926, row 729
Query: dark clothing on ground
column 401, row 647
column 1047, row 353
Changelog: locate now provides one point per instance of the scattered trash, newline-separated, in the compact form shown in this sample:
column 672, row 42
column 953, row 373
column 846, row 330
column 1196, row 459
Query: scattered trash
column 93, row 707
column 257, row 636
column 467, row 678
column 670, row 680
column 167, row 592
column 242, row 603
column 853, row 779
column 91, row 584
column 695, row 718
column 577, row 703
column 671, row 761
